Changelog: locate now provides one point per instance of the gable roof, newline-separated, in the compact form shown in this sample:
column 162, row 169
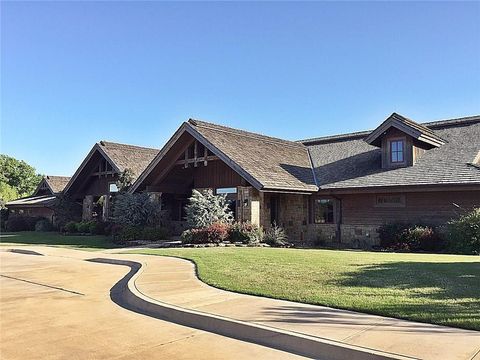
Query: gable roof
column 347, row 161
column 120, row 156
column 410, row 127
column 55, row 183
column 266, row 162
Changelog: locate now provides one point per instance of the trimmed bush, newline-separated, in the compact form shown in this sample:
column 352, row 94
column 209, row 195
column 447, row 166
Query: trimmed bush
column 246, row 233
column 405, row 237
column 43, row 225
column 97, row 227
column 215, row 233
column 275, row 236
column 16, row 223
column 154, row 233
column 22, row 223
column 70, row 227
column 126, row 233
column 84, row 227
column 464, row 233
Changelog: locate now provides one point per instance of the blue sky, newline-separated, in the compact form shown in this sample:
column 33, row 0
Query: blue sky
column 74, row 73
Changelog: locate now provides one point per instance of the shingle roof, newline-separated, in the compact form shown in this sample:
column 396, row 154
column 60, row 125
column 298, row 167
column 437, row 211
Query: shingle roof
column 121, row 156
column 347, row 161
column 57, row 183
column 135, row 158
column 275, row 163
column 37, row 201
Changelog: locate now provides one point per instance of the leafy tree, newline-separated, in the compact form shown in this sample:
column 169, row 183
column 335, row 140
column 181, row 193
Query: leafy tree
column 205, row 208
column 17, row 175
column 7, row 193
column 138, row 209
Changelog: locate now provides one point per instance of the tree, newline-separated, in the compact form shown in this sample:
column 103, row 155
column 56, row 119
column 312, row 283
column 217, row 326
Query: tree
column 17, row 175
column 7, row 193
column 138, row 209
column 205, row 208
column 66, row 210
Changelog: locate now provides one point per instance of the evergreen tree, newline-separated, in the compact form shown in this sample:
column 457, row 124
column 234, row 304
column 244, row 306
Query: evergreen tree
column 205, row 208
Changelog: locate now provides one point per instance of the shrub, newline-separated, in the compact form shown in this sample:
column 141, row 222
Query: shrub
column 97, row 227
column 464, row 233
column 205, row 208
column 43, row 225
column 84, row 227
column 154, row 233
column 390, row 234
column 70, row 227
column 214, row 233
column 246, row 233
column 16, row 223
column 22, row 223
column 136, row 210
column 126, row 233
column 66, row 210
column 405, row 237
column 275, row 236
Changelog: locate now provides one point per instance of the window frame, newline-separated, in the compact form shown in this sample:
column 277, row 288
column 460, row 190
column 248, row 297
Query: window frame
column 390, row 143
column 315, row 201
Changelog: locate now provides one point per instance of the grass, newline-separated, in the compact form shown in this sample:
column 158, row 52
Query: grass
column 94, row 242
column 439, row 289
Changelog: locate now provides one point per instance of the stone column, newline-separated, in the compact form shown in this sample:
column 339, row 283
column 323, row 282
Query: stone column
column 106, row 207
column 87, row 208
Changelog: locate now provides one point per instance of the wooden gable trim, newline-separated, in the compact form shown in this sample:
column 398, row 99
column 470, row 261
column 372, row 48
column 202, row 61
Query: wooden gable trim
column 95, row 148
column 157, row 158
column 391, row 121
column 186, row 127
column 222, row 156
column 39, row 186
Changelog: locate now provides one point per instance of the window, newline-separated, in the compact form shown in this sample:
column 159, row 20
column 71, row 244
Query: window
column 226, row 191
column 396, row 151
column 323, row 211
column 112, row 187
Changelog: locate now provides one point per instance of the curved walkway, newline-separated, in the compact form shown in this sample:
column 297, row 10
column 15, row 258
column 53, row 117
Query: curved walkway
column 173, row 282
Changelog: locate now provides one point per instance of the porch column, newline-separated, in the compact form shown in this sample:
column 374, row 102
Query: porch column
column 87, row 207
column 249, row 204
column 106, row 207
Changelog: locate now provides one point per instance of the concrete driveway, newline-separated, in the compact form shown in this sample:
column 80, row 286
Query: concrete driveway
column 54, row 307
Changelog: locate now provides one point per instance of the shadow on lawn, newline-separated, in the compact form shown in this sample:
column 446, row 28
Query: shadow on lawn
column 441, row 293
column 437, row 281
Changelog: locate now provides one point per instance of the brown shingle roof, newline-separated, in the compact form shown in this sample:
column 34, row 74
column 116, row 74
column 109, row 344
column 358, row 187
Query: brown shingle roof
column 135, row 158
column 274, row 163
column 57, row 183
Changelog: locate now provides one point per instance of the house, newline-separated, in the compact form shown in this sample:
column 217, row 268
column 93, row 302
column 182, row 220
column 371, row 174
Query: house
column 41, row 201
column 95, row 181
column 336, row 189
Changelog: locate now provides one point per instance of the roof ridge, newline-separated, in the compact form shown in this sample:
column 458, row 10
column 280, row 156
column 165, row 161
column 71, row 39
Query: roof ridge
column 241, row 132
column 104, row 142
column 429, row 125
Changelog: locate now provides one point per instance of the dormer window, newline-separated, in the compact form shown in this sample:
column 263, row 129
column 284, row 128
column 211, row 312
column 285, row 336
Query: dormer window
column 397, row 150
column 402, row 141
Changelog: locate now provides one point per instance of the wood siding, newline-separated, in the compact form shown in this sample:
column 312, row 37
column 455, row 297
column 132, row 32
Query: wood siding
column 429, row 207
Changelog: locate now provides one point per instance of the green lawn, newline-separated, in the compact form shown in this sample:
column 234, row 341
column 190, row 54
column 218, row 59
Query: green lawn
column 441, row 289
column 52, row 238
